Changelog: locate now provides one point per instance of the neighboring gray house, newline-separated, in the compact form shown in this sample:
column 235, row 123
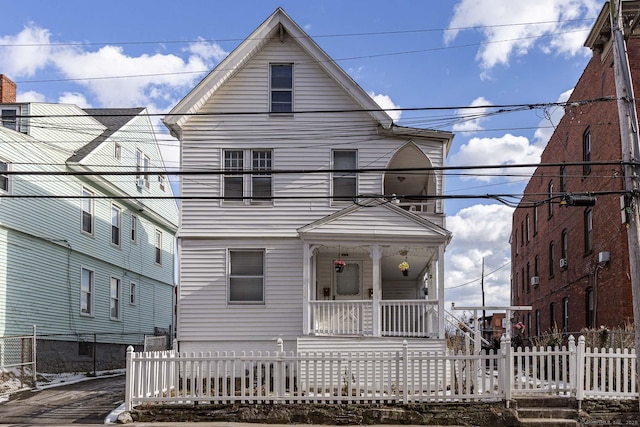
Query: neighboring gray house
column 259, row 251
column 81, row 257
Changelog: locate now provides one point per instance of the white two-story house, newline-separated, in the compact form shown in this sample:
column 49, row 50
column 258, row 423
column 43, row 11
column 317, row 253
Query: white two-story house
column 301, row 201
column 87, row 233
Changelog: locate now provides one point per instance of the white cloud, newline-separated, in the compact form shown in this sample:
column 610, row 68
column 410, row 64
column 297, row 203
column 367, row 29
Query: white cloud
column 26, row 52
column 479, row 232
column 110, row 77
column 470, row 118
column 30, row 96
column 542, row 23
column 385, row 102
column 74, row 98
column 505, row 150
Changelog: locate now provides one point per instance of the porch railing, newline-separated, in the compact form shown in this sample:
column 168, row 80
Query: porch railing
column 398, row 318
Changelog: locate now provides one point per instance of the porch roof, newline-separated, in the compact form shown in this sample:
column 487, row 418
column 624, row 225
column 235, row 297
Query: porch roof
column 375, row 220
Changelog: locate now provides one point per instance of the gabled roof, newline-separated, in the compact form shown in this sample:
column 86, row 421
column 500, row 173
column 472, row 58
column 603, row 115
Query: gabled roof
column 113, row 119
column 240, row 56
column 375, row 220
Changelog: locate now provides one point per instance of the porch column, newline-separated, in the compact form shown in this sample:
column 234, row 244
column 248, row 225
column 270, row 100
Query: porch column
column 307, row 254
column 376, row 254
column 441, row 291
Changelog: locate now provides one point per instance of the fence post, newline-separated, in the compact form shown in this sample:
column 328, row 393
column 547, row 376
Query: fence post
column 129, row 377
column 33, row 357
column 580, row 366
column 507, row 363
column 572, row 363
column 280, row 371
column 405, row 373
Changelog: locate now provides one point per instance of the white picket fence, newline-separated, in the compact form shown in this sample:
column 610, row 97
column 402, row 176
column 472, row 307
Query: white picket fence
column 378, row 377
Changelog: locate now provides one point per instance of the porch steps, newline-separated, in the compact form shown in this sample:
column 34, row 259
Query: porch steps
column 367, row 344
column 546, row 411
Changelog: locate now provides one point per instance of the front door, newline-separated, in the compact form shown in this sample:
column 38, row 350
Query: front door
column 348, row 283
column 350, row 316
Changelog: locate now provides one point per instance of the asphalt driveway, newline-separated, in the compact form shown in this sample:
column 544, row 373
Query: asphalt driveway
column 87, row 402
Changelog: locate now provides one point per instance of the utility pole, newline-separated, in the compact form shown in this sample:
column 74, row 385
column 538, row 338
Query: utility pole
column 629, row 137
column 484, row 315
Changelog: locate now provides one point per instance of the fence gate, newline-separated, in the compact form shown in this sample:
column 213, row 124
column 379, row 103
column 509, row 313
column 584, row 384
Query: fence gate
column 17, row 363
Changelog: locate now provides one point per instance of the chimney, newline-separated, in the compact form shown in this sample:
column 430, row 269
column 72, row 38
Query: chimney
column 7, row 90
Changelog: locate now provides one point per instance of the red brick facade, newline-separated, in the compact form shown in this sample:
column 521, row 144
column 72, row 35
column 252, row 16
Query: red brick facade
column 7, row 90
column 585, row 292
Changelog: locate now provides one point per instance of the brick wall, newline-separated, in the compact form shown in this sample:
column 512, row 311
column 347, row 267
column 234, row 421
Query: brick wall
column 7, row 90
column 610, row 282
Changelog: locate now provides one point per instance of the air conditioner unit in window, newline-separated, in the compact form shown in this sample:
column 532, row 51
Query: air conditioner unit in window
column 563, row 263
column 535, row 281
column 140, row 183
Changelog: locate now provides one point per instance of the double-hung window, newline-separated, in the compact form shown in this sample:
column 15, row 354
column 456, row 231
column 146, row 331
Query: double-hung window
column 5, row 180
column 114, row 299
column 246, row 276
column 116, row 221
column 281, row 88
column 261, row 186
column 133, row 294
column 86, row 292
column 142, row 169
column 345, row 184
column 134, row 228
column 256, row 187
column 87, row 211
column 158, row 247
column 586, row 152
column 588, row 231
column 550, row 200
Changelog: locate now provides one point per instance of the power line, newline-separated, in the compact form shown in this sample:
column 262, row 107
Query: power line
column 204, row 171
column 335, row 35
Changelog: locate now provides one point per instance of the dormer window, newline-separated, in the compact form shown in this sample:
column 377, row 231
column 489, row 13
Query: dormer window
column 281, row 88
column 9, row 117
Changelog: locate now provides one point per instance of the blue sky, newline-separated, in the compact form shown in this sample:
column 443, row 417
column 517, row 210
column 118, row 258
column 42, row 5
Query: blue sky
column 406, row 54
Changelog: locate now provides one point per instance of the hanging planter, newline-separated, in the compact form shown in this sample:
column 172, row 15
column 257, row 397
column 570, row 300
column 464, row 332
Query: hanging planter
column 338, row 265
column 404, row 267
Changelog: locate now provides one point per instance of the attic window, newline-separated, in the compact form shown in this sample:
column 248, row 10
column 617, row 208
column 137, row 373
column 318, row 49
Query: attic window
column 9, row 118
column 281, row 88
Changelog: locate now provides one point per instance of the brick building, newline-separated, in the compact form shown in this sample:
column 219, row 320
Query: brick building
column 570, row 261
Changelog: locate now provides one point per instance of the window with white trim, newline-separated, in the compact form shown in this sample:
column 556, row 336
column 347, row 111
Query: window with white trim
column 255, row 188
column 161, row 179
column 281, row 88
column 86, row 292
column 87, row 211
column 246, row 276
column 116, row 221
column 158, row 247
column 345, row 184
column 5, row 179
column 114, row 299
column 117, row 151
column 134, row 229
column 133, row 295
column 142, row 169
